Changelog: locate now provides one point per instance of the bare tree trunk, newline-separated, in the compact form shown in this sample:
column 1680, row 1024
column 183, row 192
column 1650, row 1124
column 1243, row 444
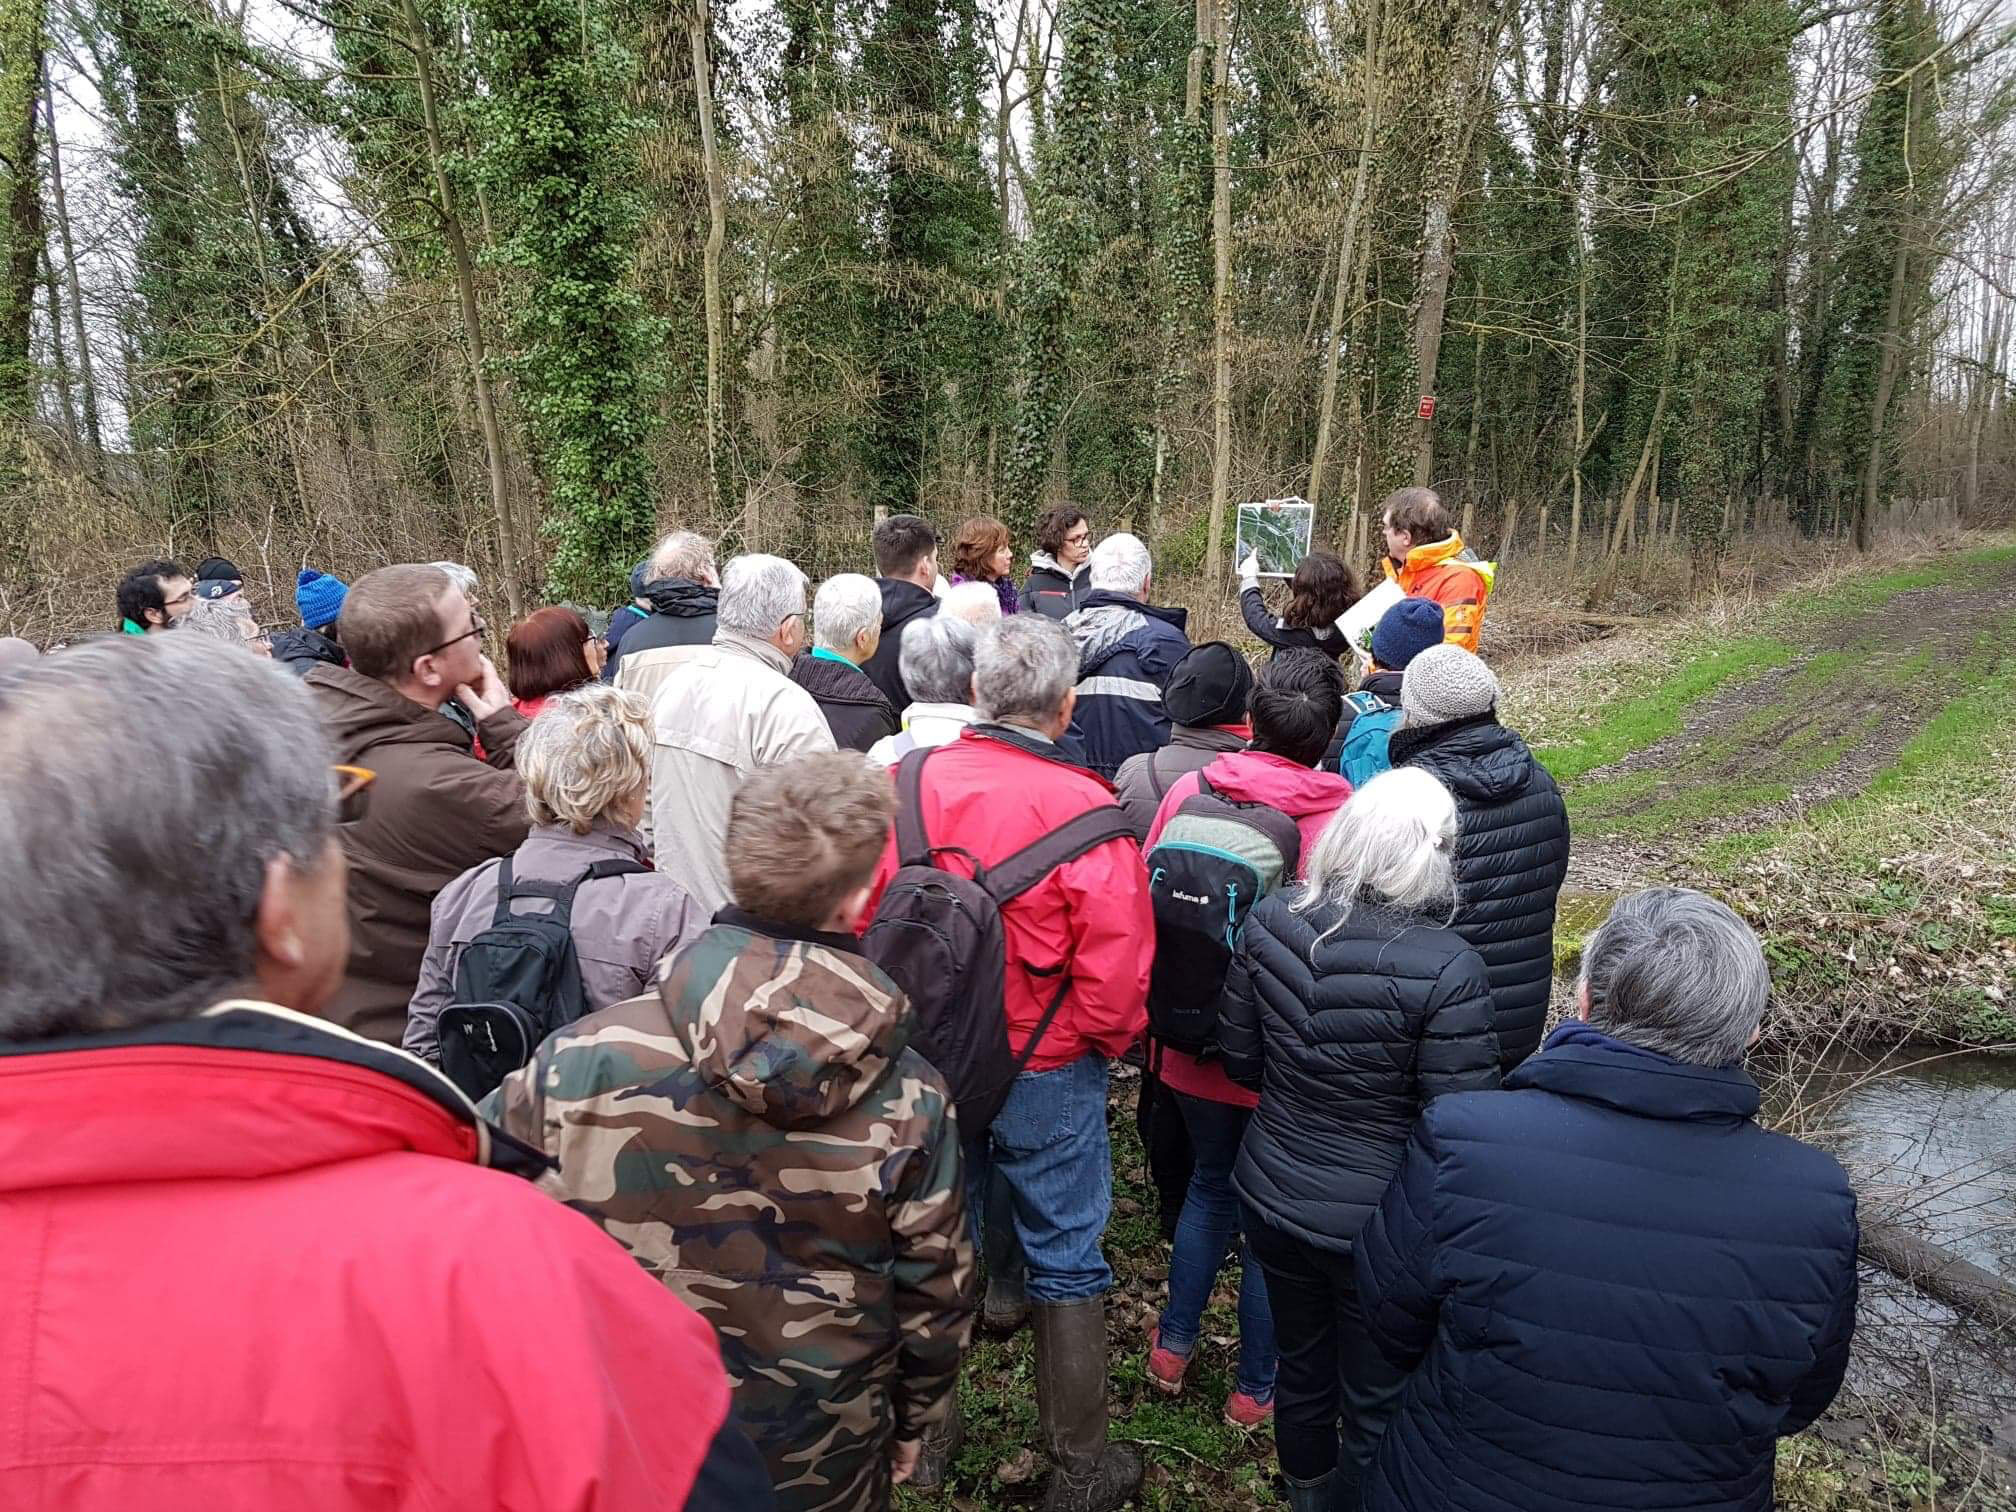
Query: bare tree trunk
column 1627, row 510
column 1340, row 297
column 472, row 322
column 1581, row 397
column 1456, row 117
column 80, row 336
column 1979, row 399
column 1221, row 289
column 1879, row 404
column 717, row 234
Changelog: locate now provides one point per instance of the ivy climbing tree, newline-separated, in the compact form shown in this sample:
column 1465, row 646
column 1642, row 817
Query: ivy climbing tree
column 558, row 160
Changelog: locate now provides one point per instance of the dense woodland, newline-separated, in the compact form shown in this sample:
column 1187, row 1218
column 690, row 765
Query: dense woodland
column 524, row 280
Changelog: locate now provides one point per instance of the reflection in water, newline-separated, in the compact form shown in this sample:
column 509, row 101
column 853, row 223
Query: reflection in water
column 1929, row 1140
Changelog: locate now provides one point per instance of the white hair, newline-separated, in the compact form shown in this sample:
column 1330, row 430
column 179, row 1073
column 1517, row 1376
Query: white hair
column 936, row 658
column 1023, row 668
column 462, row 577
column 758, row 593
column 976, row 603
column 1675, row 972
column 588, row 752
column 221, row 619
column 1121, row 564
column 1394, row 839
column 684, row 554
column 846, row 605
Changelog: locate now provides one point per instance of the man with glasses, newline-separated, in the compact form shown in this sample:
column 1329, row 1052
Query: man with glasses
column 336, row 1309
column 414, row 643
column 153, row 596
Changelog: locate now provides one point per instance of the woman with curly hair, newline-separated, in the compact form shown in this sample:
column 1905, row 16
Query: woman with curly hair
column 1323, row 587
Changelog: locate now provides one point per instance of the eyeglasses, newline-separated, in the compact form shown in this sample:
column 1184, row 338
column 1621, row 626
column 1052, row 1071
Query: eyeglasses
column 476, row 627
column 187, row 595
column 353, row 792
column 1078, row 537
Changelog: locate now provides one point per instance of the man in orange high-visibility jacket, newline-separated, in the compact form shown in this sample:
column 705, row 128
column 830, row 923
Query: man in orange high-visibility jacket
column 1428, row 559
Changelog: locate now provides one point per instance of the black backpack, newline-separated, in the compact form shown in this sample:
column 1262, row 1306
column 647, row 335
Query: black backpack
column 938, row 936
column 1214, row 860
column 517, row 981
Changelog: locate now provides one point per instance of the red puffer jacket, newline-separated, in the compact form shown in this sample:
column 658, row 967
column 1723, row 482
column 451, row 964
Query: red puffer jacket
column 993, row 791
column 252, row 1262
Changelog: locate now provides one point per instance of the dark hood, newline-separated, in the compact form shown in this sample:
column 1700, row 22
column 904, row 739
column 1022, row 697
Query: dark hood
column 1476, row 759
column 829, row 681
column 1586, row 1064
column 681, row 598
column 902, row 602
column 1383, row 684
column 301, row 648
column 798, row 1026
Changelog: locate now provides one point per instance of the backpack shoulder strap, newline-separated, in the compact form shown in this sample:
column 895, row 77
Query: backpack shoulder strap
column 612, row 866
column 913, row 840
column 1014, row 875
column 1204, row 788
column 503, row 913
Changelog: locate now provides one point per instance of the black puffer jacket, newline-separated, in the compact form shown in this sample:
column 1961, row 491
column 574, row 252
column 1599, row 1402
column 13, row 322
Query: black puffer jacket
column 854, row 707
column 682, row 614
column 1511, row 859
column 301, row 650
column 1394, row 1011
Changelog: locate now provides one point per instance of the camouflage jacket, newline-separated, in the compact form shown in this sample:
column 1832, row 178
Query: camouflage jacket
column 761, row 1137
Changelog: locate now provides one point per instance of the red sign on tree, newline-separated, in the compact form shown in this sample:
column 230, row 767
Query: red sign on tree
column 1427, row 409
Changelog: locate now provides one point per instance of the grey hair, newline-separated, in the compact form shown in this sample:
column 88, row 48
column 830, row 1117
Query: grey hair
column 1023, row 668
column 758, row 593
column 588, row 752
column 975, row 603
column 685, row 554
column 1121, row 564
column 936, row 658
column 1394, row 839
column 219, row 619
column 151, row 827
column 464, row 578
column 1675, row 972
column 845, row 605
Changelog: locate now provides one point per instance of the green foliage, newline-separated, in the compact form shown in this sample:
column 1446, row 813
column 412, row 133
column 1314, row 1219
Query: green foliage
column 558, row 159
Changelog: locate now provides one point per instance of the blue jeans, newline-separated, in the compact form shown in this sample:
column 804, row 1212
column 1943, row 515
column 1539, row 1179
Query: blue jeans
column 1204, row 1233
column 1047, row 1155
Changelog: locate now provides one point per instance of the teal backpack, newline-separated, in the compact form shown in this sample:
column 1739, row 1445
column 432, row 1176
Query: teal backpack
column 1364, row 755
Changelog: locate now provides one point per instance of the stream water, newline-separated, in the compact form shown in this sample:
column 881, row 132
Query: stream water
column 1930, row 1140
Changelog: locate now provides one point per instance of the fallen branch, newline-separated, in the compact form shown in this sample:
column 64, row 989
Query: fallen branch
column 1941, row 1274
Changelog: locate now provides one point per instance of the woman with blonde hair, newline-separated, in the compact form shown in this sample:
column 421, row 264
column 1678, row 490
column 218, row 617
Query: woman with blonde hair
column 586, row 765
column 1349, row 1005
column 984, row 552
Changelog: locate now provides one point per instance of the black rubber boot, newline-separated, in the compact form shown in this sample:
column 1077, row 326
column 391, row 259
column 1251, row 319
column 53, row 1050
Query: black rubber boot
column 1087, row 1473
column 1311, row 1495
column 941, row 1448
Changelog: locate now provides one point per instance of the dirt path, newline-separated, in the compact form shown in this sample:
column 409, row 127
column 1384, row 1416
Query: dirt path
column 1773, row 742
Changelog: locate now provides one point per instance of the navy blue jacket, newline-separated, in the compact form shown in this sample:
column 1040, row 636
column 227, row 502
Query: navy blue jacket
column 1126, row 651
column 1511, row 859
column 1615, row 1289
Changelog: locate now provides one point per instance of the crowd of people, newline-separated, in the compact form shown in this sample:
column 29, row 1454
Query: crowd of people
column 788, row 939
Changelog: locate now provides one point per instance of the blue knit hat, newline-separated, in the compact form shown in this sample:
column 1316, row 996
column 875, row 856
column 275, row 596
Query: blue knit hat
column 1405, row 631
column 319, row 597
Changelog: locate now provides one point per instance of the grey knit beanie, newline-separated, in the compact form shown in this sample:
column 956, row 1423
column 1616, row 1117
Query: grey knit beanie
column 1446, row 682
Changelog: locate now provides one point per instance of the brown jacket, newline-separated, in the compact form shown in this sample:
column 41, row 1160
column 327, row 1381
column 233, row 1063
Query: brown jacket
column 435, row 811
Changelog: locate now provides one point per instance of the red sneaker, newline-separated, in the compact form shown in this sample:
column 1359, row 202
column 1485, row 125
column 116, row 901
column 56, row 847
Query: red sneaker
column 1241, row 1411
column 1166, row 1368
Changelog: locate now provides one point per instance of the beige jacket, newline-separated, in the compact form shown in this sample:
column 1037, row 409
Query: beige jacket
column 721, row 713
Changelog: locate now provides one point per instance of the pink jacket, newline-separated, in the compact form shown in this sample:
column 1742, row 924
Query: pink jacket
column 1308, row 797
